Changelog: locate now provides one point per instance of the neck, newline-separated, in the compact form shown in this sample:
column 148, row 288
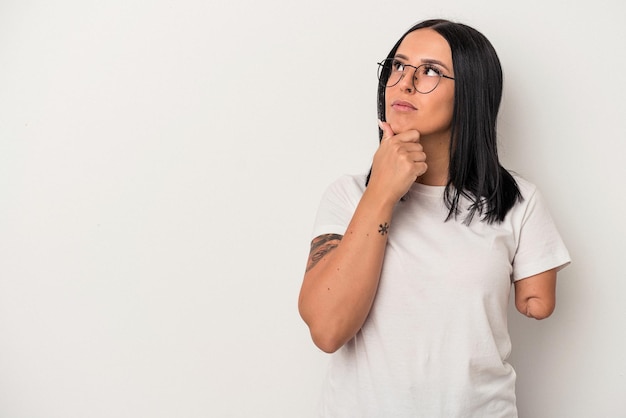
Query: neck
column 437, row 151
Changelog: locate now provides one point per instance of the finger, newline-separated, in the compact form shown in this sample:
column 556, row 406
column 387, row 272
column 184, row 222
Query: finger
column 418, row 157
column 421, row 168
column 410, row 146
column 386, row 128
column 409, row 136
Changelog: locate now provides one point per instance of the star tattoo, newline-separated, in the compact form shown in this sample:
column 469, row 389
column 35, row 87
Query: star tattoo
column 383, row 229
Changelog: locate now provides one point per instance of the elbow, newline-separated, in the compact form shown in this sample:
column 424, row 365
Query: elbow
column 326, row 341
column 329, row 329
column 324, row 334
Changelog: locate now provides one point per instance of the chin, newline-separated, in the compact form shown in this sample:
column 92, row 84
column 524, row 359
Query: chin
column 400, row 122
column 401, row 126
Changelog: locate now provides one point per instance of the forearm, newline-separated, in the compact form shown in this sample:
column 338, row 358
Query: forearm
column 339, row 286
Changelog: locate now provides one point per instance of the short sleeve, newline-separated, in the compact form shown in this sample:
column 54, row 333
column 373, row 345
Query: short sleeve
column 540, row 247
column 338, row 204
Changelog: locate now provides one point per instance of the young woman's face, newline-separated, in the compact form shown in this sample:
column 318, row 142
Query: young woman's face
column 430, row 114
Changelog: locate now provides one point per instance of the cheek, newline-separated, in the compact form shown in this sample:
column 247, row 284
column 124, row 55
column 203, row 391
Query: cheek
column 449, row 111
column 446, row 108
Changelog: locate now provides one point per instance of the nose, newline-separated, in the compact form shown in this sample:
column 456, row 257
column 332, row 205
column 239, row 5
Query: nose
column 407, row 82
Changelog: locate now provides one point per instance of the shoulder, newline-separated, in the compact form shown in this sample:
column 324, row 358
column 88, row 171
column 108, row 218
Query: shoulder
column 532, row 204
column 539, row 246
column 356, row 181
column 348, row 185
column 338, row 204
column 526, row 188
column 343, row 193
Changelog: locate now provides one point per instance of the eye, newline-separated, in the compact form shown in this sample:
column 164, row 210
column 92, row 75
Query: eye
column 397, row 66
column 431, row 71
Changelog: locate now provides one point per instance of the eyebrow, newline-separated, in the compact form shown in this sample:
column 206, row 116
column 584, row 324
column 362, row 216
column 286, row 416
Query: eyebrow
column 424, row 61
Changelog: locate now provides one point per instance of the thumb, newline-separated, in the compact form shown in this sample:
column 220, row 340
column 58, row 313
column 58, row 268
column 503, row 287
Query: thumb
column 386, row 128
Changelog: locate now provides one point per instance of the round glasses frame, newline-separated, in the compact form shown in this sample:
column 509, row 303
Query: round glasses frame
column 386, row 66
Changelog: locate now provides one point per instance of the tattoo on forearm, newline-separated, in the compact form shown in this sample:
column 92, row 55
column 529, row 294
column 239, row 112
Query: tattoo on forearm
column 321, row 246
column 383, row 229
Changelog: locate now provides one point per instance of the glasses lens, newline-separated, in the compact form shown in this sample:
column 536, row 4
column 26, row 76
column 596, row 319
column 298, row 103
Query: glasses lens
column 425, row 77
column 390, row 72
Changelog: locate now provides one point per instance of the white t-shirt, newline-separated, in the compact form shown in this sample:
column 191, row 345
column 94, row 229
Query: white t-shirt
column 436, row 341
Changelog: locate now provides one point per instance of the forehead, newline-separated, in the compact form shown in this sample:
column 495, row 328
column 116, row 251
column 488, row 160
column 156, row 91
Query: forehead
column 424, row 44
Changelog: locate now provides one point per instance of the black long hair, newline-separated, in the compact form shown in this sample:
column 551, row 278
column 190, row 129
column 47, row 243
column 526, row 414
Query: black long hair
column 475, row 171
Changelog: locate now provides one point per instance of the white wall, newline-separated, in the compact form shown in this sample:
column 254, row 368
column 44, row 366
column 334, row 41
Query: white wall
column 160, row 167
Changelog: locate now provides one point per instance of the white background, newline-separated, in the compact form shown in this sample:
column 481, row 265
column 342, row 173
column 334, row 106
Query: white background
column 161, row 164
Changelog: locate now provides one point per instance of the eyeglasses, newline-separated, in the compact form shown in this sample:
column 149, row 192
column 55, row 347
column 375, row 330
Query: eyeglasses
column 426, row 77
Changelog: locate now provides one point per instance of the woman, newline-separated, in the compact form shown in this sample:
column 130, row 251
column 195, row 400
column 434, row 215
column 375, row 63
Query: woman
column 411, row 266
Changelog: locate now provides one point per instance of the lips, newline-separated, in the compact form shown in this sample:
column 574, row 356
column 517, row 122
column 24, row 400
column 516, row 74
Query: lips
column 402, row 106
